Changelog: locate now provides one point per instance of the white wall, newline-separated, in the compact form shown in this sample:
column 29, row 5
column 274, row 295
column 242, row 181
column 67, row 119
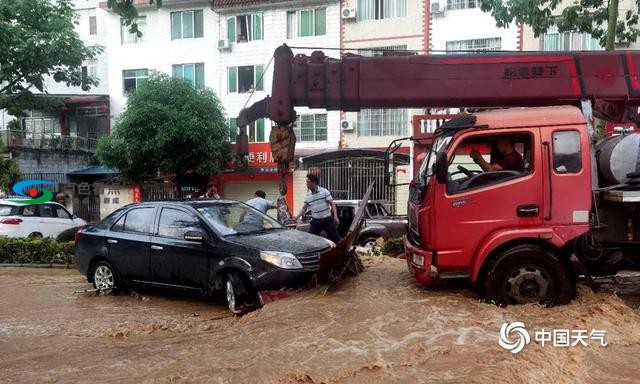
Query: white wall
column 85, row 9
column 469, row 24
column 260, row 52
column 157, row 51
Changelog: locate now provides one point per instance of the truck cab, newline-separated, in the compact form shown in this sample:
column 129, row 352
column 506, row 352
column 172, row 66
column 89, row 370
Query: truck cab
column 506, row 230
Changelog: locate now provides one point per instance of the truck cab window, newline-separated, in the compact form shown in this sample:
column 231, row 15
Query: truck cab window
column 486, row 160
column 566, row 152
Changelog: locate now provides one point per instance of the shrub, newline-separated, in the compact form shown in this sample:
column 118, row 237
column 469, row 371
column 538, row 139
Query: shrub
column 393, row 246
column 36, row 251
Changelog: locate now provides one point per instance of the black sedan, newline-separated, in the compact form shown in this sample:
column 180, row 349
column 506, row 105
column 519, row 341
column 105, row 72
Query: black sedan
column 204, row 246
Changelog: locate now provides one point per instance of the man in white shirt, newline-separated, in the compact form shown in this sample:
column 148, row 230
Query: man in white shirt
column 324, row 214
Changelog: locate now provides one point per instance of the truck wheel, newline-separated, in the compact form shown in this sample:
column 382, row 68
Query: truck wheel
column 528, row 274
column 241, row 297
column 105, row 278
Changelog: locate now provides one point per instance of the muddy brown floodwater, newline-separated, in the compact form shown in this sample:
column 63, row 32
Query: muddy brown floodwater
column 377, row 328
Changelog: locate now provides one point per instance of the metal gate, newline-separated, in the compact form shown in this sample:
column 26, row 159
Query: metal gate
column 348, row 179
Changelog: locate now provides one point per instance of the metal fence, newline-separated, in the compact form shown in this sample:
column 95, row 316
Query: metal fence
column 24, row 139
column 348, row 179
column 167, row 191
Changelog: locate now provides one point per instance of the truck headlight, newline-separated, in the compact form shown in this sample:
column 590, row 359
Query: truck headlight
column 284, row 260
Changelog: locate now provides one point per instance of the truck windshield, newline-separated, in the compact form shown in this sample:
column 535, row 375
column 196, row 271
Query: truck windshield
column 440, row 143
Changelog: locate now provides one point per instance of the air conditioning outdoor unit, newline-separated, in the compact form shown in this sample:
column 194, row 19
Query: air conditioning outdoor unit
column 348, row 13
column 346, row 125
column 223, row 44
column 437, row 8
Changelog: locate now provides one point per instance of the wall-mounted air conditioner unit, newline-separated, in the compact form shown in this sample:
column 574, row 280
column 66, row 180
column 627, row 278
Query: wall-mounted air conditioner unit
column 437, row 8
column 348, row 13
column 223, row 45
column 347, row 125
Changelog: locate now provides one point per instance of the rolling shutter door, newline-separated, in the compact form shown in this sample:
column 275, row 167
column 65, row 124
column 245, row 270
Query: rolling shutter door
column 245, row 190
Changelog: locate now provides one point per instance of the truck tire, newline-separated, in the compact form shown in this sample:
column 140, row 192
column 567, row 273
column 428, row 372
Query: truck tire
column 527, row 273
column 240, row 295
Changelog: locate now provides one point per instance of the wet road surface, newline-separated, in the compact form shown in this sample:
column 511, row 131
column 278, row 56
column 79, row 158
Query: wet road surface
column 377, row 328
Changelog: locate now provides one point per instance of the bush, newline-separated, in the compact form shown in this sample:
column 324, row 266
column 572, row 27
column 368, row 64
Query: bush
column 393, row 246
column 36, row 251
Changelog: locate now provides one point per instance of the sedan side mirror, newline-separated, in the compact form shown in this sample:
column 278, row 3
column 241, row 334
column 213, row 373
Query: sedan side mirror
column 74, row 216
column 194, row 236
column 441, row 167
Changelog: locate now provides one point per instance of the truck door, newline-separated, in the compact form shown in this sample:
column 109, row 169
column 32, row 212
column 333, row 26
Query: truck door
column 475, row 203
column 567, row 177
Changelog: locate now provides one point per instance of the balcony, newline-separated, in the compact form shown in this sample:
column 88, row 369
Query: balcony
column 47, row 141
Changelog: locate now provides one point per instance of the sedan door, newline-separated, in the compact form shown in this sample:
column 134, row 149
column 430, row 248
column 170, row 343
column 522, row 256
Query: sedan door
column 129, row 243
column 176, row 260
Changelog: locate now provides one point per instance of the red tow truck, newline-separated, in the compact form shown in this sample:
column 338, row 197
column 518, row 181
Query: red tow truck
column 519, row 236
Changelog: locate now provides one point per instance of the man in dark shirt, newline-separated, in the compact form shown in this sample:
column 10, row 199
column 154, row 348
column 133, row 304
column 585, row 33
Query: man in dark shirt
column 511, row 160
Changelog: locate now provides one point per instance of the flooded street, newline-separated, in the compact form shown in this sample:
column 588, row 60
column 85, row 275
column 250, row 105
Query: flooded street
column 378, row 327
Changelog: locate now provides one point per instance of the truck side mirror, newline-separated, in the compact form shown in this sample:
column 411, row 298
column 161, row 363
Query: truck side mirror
column 441, row 167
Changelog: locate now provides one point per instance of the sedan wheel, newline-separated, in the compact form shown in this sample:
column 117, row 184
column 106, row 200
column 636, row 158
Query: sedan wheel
column 241, row 297
column 104, row 279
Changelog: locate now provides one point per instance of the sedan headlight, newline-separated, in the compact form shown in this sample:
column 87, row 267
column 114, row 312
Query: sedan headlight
column 283, row 260
column 331, row 243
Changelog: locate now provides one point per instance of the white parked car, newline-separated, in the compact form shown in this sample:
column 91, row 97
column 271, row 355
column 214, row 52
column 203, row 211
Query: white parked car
column 35, row 220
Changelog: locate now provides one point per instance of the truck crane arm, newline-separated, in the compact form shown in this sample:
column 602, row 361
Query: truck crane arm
column 609, row 80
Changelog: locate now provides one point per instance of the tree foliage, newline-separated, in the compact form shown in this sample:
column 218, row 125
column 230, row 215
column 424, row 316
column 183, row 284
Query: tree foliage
column 9, row 172
column 128, row 12
column 38, row 40
column 167, row 127
column 586, row 16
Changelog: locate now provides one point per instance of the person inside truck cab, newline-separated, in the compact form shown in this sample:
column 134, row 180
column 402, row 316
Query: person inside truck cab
column 511, row 159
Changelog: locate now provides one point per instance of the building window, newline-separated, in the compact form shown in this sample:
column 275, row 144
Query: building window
column 90, row 69
column 480, row 45
column 381, row 9
column 255, row 131
column 461, row 4
column 193, row 73
column 382, row 122
column 93, row 26
column 186, row 25
column 245, row 79
column 244, row 28
column 381, row 51
column 133, row 78
column 312, row 127
column 127, row 37
column 567, row 41
column 307, row 22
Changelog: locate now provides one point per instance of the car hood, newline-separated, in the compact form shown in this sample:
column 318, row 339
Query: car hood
column 285, row 240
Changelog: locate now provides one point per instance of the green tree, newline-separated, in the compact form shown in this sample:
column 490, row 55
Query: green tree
column 168, row 127
column 599, row 18
column 38, row 40
column 128, row 12
column 9, row 172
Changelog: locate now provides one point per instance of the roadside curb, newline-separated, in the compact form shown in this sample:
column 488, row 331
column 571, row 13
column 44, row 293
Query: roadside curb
column 59, row 266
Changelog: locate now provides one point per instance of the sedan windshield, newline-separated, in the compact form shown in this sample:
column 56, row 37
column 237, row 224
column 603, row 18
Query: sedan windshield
column 236, row 218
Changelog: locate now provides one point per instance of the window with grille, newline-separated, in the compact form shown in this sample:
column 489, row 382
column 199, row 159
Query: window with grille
column 381, row 9
column 127, row 37
column 90, row 69
column 192, row 73
column 312, row 127
column 380, row 51
column 244, row 28
column 306, row 22
column 462, row 4
column 186, row 25
column 480, row 45
column 568, row 41
column 383, row 122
